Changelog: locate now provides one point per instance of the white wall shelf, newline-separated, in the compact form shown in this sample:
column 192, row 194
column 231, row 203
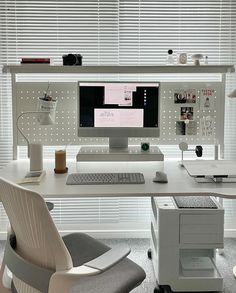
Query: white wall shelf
column 44, row 68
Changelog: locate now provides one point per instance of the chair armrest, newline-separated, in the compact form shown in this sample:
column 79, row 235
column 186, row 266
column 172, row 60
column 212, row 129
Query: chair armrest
column 63, row 281
column 108, row 259
column 99, row 264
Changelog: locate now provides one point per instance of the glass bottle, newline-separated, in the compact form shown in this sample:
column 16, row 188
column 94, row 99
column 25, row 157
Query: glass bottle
column 206, row 60
column 170, row 58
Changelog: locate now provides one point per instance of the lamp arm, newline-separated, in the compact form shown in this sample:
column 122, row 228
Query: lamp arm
column 18, row 128
column 21, row 132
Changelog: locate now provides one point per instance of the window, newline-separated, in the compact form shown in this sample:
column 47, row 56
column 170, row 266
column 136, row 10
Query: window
column 117, row 32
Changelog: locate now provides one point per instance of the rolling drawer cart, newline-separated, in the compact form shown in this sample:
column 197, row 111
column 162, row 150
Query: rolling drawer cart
column 183, row 246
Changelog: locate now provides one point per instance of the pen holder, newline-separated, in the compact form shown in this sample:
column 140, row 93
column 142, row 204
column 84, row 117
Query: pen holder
column 46, row 106
column 60, row 162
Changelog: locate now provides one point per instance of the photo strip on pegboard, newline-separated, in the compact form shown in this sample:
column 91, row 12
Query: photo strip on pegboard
column 183, row 96
column 186, row 127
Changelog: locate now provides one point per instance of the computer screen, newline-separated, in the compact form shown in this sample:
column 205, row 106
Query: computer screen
column 118, row 109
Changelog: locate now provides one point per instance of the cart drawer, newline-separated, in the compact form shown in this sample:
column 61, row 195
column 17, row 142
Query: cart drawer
column 201, row 219
column 201, row 229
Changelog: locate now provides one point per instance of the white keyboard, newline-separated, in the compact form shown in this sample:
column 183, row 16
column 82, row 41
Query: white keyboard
column 105, row 178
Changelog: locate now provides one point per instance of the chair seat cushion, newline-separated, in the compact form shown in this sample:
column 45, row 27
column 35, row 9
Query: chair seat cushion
column 121, row 278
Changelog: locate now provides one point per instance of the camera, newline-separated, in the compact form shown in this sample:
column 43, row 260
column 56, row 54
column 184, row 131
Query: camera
column 72, row 59
column 198, row 150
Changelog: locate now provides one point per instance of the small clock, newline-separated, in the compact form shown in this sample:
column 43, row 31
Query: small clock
column 145, row 146
column 183, row 58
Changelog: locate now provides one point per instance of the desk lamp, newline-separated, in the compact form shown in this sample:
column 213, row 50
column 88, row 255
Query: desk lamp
column 35, row 150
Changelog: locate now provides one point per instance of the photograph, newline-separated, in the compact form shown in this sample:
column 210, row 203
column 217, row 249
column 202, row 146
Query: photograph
column 186, row 128
column 207, row 126
column 207, row 100
column 191, row 128
column 207, row 103
column 191, row 96
column 186, row 113
column 180, row 97
column 180, row 128
column 185, row 96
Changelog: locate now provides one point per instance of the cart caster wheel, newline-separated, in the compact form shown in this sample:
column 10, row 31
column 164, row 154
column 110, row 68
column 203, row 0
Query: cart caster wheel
column 149, row 253
column 167, row 289
column 158, row 289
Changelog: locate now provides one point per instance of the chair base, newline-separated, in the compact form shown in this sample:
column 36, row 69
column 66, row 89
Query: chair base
column 13, row 288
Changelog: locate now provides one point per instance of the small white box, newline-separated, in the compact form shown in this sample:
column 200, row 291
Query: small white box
column 196, row 266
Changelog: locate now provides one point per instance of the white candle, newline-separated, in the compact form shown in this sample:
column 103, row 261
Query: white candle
column 36, row 157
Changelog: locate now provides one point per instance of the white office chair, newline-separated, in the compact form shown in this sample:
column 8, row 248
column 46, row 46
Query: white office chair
column 41, row 261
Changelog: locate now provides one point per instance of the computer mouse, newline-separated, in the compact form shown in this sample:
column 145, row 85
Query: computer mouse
column 161, row 177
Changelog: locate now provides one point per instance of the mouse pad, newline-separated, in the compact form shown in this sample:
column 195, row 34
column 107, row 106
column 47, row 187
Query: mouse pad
column 194, row 202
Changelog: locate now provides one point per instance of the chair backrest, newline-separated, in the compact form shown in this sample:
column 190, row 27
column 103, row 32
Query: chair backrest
column 37, row 237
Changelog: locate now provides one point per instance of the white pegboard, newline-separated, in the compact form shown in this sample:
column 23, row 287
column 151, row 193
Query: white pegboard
column 171, row 112
column 64, row 131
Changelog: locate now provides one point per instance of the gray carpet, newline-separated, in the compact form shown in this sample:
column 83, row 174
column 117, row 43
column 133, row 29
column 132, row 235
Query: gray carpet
column 139, row 249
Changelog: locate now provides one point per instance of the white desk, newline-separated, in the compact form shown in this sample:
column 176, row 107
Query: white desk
column 54, row 185
column 180, row 183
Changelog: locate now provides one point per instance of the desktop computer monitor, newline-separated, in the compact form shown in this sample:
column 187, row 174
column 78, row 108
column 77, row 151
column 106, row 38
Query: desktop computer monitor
column 118, row 110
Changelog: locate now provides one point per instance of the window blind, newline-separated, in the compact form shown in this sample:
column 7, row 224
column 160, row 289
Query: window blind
column 115, row 32
column 118, row 31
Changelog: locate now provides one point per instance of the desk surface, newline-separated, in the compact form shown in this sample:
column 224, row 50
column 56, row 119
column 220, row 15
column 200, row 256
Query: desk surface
column 180, row 183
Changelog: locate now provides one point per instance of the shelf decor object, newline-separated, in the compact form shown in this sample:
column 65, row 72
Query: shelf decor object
column 196, row 59
column 232, row 94
column 46, row 104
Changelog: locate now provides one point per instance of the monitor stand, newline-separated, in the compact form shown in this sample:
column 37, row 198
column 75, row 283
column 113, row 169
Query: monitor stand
column 118, row 150
column 118, row 143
